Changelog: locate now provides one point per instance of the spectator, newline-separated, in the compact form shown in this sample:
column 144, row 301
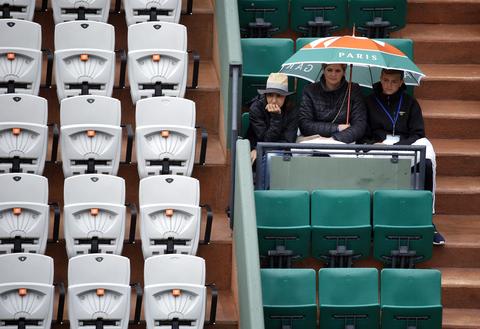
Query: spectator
column 323, row 109
column 394, row 117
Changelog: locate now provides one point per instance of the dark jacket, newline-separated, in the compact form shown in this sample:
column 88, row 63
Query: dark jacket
column 409, row 125
column 319, row 108
column 272, row 127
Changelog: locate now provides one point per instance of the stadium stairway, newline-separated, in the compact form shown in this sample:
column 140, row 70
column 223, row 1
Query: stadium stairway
column 446, row 37
column 214, row 176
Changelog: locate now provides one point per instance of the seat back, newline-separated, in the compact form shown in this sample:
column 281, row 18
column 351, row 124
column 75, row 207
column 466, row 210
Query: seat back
column 376, row 19
column 94, row 214
column 411, row 297
column 289, row 298
column 24, row 213
column 283, row 222
column 99, row 291
column 340, row 223
column 71, row 10
column 315, row 18
column 157, row 59
column 84, row 58
column 402, row 219
column 138, row 11
column 260, row 58
column 20, row 56
column 23, row 133
column 165, row 136
column 90, row 135
column 26, row 290
column 18, row 9
column 174, row 292
column 262, row 18
column 170, row 215
column 348, row 296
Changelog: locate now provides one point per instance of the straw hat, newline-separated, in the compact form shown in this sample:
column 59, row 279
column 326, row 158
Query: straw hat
column 277, row 83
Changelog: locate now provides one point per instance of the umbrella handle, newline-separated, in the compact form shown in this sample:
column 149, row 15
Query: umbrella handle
column 349, row 93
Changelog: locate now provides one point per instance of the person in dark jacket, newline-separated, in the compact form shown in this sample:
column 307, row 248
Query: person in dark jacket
column 323, row 109
column 271, row 119
column 395, row 118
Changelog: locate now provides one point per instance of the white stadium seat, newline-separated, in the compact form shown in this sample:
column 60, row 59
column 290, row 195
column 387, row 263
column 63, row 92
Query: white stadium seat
column 165, row 136
column 70, row 10
column 24, row 213
column 17, row 9
column 23, row 133
column 94, row 214
column 98, row 291
column 26, row 291
column 90, row 135
column 138, row 11
column 84, row 58
column 175, row 292
column 157, row 59
column 170, row 215
column 20, row 56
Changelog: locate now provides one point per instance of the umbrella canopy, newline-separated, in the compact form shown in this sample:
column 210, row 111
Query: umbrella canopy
column 367, row 56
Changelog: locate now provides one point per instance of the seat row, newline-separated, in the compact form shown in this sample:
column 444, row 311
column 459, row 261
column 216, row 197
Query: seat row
column 266, row 55
column 99, row 291
column 136, row 11
column 91, row 135
column 335, row 226
column 94, row 215
column 85, row 59
column 349, row 298
column 319, row 18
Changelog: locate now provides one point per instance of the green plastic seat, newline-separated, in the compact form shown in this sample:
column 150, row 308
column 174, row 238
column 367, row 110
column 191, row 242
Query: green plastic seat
column 318, row 18
column 377, row 18
column 349, row 296
column 341, row 229
column 245, row 124
column 260, row 58
column 283, row 223
column 402, row 226
column 262, row 18
column 411, row 299
column 289, row 298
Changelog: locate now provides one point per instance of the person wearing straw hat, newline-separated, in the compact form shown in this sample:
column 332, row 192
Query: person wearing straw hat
column 395, row 117
column 271, row 117
column 325, row 110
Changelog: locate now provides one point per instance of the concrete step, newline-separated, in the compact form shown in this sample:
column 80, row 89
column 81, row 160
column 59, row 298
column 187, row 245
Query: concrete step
column 451, row 118
column 461, row 287
column 459, row 195
column 456, row 156
column 444, row 43
column 444, row 81
column 443, row 11
column 462, row 248
column 460, row 318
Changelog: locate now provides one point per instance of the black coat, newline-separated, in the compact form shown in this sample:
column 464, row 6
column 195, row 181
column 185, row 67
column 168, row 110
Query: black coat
column 409, row 125
column 272, row 127
column 319, row 109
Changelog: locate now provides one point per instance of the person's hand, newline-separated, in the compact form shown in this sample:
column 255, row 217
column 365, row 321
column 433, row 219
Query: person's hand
column 273, row 108
column 343, row 127
column 253, row 155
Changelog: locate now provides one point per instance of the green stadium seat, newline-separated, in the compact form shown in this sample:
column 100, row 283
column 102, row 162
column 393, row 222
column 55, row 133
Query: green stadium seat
column 283, row 223
column 341, row 229
column 318, row 18
column 411, row 299
column 289, row 298
column 377, row 18
column 245, row 124
column 402, row 227
column 348, row 298
column 262, row 18
column 260, row 58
